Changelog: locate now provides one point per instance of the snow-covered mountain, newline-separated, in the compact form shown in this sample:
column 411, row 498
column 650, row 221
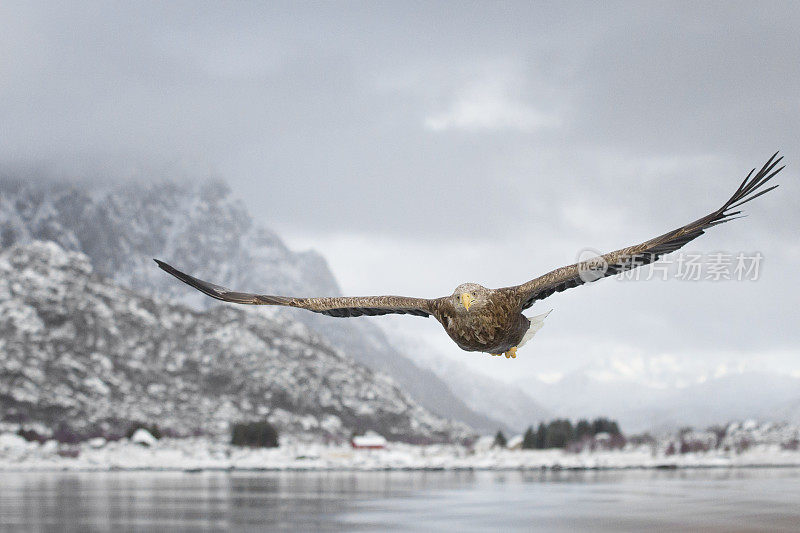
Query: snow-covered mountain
column 509, row 404
column 788, row 410
column 201, row 229
column 122, row 228
column 77, row 348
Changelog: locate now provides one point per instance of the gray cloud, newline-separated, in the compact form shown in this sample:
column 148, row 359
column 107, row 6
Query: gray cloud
column 524, row 130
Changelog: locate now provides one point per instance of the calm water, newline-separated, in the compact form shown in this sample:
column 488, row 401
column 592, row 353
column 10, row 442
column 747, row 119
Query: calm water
column 721, row 500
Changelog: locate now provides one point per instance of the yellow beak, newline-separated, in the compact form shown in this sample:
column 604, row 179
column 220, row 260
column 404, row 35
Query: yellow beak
column 466, row 300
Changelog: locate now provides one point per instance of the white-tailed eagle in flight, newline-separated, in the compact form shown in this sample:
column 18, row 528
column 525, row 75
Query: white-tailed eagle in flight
column 491, row 320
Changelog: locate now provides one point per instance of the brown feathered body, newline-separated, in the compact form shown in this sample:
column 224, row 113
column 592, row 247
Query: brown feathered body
column 493, row 324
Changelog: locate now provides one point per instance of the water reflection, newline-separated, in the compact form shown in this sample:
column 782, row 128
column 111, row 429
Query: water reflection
column 763, row 499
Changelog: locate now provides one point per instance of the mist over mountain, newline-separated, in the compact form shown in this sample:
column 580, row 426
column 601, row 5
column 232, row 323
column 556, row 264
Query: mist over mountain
column 78, row 349
column 644, row 407
column 203, row 230
column 508, row 403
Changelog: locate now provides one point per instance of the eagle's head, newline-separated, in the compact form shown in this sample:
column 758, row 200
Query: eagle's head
column 468, row 294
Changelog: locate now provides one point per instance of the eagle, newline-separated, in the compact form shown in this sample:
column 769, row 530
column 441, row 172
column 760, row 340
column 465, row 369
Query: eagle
column 479, row 319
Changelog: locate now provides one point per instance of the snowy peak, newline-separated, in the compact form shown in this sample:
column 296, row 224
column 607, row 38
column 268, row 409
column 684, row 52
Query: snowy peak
column 76, row 348
column 121, row 228
column 203, row 230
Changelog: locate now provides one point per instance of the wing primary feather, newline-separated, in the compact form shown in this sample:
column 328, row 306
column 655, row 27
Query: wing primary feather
column 215, row 291
column 628, row 258
column 744, row 181
column 765, row 191
column 333, row 306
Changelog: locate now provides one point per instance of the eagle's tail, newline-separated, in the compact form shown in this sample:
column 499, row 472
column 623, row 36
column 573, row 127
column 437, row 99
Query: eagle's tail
column 536, row 324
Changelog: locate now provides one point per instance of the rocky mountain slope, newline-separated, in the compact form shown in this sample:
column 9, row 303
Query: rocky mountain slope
column 77, row 347
column 201, row 229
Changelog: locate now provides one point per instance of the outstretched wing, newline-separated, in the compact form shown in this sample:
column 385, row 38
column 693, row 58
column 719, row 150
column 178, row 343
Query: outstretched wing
column 632, row 257
column 335, row 306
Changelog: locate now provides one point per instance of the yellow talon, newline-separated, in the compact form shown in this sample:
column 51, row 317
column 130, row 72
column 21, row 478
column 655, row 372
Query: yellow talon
column 512, row 353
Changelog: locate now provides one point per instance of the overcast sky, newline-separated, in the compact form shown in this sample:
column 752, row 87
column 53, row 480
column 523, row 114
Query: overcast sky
column 420, row 145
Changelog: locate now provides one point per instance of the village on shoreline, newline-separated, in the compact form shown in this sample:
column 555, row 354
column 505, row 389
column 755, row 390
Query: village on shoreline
column 747, row 444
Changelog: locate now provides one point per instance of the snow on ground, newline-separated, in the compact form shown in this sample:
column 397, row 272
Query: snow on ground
column 205, row 454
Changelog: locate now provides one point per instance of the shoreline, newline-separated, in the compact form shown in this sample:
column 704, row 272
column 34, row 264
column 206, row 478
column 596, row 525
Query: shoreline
column 203, row 455
column 200, row 470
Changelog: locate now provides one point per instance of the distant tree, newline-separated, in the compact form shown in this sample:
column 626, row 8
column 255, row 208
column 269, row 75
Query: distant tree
column 64, row 433
column 690, row 445
column 254, row 434
column 604, row 425
column 642, row 439
column 31, row 435
column 583, row 429
column 500, row 439
column 559, row 433
column 529, row 439
column 719, row 433
column 541, row 436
